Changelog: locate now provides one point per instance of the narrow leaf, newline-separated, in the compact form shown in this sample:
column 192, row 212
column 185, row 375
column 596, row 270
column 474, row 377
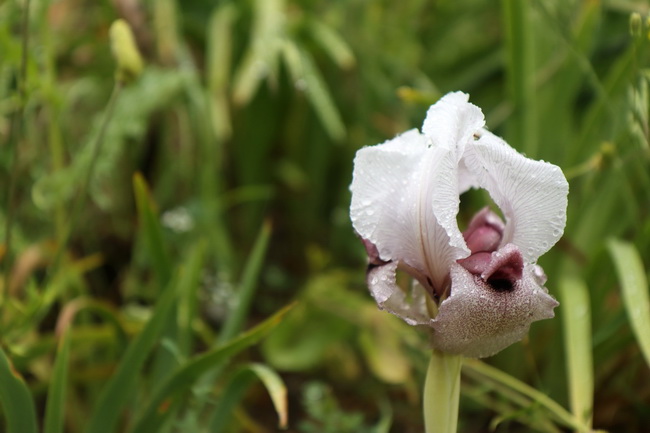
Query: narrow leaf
column 55, row 406
column 321, row 100
column 121, row 386
column 219, row 59
column 247, row 285
column 260, row 60
column 332, row 43
column 521, row 74
column 486, row 374
column 148, row 217
column 219, row 47
column 167, row 394
column 576, row 314
column 236, row 388
column 635, row 290
column 16, row 400
column 187, row 309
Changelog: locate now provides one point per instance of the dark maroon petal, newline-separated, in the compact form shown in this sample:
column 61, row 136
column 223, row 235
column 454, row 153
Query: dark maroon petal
column 505, row 268
column 476, row 263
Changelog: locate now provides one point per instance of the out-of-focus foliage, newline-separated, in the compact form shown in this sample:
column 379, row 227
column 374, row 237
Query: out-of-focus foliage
column 124, row 295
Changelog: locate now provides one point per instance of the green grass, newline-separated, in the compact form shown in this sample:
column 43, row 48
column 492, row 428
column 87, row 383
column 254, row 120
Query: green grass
column 150, row 238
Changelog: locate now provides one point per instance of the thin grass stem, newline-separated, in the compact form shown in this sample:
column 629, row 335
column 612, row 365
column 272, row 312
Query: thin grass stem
column 17, row 121
column 80, row 197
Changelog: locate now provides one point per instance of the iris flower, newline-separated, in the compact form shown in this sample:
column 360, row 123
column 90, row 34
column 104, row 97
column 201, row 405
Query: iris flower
column 477, row 291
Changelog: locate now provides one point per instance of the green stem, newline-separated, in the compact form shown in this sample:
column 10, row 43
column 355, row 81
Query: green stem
column 80, row 197
column 441, row 393
column 16, row 128
column 521, row 74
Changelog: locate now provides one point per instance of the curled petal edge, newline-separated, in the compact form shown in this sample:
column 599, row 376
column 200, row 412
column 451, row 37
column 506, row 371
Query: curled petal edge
column 381, row 280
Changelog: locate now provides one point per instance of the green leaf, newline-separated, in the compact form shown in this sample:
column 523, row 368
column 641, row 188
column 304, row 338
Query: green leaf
column 247, row 285
column 303, row 70
column 260, row 60
column 177, row 333
column 504, row 383
column 179, row 381
column 219, row 47
column 55, row 406
column 17, row 403
column 155, row 89
column 187, row 308
column 219, row 59
column 635, row 290
column 383, row 346
column 121, row 386
column 149, row 220
column 236, row 388
column 332, row 43
column 521, row 74
column 576, row 314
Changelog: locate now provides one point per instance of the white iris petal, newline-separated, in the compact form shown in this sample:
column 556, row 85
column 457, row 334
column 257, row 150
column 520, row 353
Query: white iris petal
column 405, row 200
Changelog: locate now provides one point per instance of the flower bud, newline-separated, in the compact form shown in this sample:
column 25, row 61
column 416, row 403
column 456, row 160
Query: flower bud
column 125, row 50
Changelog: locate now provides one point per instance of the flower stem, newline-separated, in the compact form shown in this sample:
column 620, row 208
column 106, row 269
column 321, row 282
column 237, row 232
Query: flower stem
column 441, row 393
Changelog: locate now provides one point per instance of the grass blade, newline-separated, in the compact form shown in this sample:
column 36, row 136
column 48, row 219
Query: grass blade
column 148, row 217
column 333, row 44
column 635, row 290
column 521, row 74
column 576, row 314
column 492, row 374
column 55, row 407
column 301, row 67
column 187, row 305
column 219, row 60
column 240, row 381
column 321, row 99
column 17, row 403
column 185, row 376
column 121, row 385
column 247, row 286
column 260, row 61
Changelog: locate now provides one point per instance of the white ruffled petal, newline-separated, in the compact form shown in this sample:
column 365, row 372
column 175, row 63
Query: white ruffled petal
column 531, row 194
column 453, row 121
column 405, row 201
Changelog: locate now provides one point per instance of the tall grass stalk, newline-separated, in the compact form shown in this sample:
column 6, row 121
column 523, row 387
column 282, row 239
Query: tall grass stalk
column 16, row 128
column 81, row 195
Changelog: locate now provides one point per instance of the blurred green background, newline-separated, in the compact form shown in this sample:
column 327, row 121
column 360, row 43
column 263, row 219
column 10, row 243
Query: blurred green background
column 124, row 295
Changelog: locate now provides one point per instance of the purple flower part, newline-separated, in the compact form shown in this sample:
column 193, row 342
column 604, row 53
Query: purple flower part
column 506, row 264
column 484, row 232
column 477, row 263
column 373, row 254
column 479, row 320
